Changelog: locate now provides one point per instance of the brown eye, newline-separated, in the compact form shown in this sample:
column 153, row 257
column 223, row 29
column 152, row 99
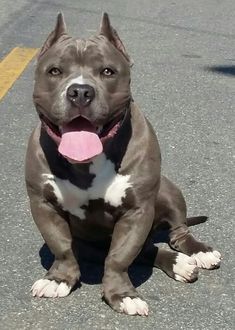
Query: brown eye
column 55, row 71
column 107, row 72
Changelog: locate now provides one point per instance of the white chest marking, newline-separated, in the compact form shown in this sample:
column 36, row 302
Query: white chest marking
column 70, row 197
column 107, row 185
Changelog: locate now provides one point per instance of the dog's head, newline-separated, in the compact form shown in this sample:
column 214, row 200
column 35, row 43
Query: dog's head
column 82, row 88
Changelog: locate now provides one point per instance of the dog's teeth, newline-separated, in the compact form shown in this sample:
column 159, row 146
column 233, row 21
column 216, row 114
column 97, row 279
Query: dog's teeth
column 99, row 129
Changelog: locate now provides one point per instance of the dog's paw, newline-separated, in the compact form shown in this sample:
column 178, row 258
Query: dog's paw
column 207, row 260
column 50, row 289
column 134, row 306
column 185, row 268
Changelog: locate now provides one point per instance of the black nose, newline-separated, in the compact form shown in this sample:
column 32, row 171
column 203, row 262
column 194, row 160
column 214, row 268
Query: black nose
column 80, row 95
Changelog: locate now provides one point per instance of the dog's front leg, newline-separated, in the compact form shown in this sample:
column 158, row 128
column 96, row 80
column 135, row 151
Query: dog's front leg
column 64, row 272
column 129, row 235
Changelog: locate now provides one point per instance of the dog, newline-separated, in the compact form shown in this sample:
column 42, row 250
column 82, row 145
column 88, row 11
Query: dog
column 93, row 171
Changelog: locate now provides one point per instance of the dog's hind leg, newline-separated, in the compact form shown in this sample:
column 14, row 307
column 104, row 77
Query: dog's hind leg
column 172, row 213
column 205, row 256
column 175, row 264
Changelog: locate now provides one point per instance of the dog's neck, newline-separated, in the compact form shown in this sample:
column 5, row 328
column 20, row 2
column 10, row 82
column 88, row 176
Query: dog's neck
column 115, row 147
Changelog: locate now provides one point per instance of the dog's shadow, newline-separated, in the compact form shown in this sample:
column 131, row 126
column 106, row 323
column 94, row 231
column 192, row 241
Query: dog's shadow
column 91, row 257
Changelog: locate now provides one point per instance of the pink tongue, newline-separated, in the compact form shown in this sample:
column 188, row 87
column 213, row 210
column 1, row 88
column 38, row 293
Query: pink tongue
column 79, row 142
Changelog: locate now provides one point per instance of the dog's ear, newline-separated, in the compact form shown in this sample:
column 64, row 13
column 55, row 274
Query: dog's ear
column 110, row 33
column 60, row 30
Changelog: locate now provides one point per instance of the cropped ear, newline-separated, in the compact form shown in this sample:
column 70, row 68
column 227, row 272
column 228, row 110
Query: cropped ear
column 110, row 33
column 60, row 29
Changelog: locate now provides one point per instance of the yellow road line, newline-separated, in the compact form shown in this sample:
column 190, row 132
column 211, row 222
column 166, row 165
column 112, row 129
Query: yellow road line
column 13, row 65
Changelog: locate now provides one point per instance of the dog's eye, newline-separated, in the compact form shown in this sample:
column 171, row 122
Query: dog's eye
column 55, row 71
column 107, row 72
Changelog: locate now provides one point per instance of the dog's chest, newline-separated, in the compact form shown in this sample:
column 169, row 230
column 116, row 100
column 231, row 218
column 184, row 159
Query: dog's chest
column 107, row 185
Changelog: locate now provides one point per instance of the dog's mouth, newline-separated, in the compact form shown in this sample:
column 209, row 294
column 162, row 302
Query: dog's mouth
column 80, row 140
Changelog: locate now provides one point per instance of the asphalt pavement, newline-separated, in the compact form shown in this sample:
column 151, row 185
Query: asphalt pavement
column 184, row 80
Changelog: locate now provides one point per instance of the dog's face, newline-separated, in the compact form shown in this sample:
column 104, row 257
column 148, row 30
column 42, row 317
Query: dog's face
column 82, row 82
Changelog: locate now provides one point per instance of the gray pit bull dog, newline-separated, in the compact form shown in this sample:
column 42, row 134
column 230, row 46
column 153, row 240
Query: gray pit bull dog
column 93, row 172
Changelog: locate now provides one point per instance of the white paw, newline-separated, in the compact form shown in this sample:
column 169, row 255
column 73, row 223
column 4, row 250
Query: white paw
column 134, row 306
column 50, row 289
column 207, row 260
column 185, row 268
